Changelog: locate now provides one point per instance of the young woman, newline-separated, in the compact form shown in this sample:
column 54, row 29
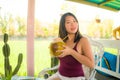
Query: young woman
column 76, row 52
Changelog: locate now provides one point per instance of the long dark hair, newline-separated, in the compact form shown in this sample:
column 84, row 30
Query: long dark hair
column 62, row 30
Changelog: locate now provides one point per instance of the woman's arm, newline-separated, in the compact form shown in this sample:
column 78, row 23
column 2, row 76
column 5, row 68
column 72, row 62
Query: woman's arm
column 84, row 54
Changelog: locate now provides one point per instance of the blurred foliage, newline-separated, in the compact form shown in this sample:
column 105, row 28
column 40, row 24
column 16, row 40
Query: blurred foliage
column 17, row 27
column 102, row 29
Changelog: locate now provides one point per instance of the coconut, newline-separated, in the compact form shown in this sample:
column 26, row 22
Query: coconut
column 56, row 45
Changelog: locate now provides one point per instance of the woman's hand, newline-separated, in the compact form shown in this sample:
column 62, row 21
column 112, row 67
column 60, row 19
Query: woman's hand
column 66, row 51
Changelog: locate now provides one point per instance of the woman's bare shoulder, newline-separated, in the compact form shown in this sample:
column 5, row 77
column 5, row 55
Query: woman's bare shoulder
column 84, row 39
column 83, row 42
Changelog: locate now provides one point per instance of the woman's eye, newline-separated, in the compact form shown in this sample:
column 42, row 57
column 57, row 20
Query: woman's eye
column 74, row 21
column 68, row 22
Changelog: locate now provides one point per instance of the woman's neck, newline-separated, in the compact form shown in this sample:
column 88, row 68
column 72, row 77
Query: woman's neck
column 71, row 37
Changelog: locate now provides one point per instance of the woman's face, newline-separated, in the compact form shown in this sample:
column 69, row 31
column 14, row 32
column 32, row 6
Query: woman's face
column 71, row 25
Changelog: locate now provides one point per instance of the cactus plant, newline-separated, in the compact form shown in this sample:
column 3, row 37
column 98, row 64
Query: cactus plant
column 7, row 67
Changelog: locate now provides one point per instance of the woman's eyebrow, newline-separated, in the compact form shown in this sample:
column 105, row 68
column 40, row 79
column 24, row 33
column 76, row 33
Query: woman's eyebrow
column 70, row 20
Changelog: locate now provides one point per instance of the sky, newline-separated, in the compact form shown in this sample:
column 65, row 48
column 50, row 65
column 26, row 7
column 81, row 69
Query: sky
column 49, row 10
column 16, row 7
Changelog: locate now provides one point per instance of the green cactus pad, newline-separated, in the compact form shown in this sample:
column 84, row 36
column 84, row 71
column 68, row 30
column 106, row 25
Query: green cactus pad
column 6, row 50
column 5, row 37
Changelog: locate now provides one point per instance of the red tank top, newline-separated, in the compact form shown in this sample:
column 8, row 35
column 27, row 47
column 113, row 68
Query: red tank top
column 70, row 67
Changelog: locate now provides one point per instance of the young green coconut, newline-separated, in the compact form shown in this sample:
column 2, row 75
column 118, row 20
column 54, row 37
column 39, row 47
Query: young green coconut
column 56, row 45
